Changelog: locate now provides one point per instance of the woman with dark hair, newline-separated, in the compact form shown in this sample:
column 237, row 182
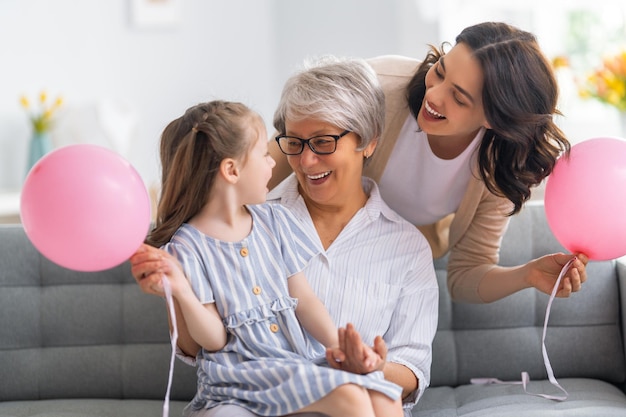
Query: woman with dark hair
column 468, row 134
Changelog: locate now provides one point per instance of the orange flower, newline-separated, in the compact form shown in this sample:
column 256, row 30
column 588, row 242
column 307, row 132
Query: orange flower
column 607, row 83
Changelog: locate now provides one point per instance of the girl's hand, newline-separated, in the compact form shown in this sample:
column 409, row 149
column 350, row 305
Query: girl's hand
column 144, row 264
column 544, row 272
column 149, row 265
column 354, row 356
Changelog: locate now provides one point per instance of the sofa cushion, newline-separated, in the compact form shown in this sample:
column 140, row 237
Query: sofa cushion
column 89, row 408
column 587, row 398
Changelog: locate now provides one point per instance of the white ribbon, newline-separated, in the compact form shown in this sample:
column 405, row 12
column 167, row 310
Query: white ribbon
column 173, row 338
column 546, row 360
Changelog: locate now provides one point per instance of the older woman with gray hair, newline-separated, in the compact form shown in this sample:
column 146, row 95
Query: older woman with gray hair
column 374, row 268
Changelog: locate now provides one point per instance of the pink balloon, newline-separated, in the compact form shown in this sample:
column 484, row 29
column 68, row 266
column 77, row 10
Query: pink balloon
column 85, row 208
column 585, row 199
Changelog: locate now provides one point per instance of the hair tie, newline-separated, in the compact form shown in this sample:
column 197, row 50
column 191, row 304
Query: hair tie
column 194, row 129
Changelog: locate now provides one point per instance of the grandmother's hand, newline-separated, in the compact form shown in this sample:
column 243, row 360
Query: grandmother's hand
column 544, row 272
column 354, row 356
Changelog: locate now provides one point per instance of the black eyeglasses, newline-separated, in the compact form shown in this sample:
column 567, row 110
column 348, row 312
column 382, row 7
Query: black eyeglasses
column 321, row 145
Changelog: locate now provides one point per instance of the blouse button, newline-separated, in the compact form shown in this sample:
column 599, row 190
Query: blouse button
column 243, row 252
column 256, row 290
column 274, row 327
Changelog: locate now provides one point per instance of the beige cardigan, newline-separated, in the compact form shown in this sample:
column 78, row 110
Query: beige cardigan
column 473, row 234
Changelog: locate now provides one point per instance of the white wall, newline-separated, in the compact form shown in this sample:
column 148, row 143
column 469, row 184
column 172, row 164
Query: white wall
column 362, row 28
column 90, row 52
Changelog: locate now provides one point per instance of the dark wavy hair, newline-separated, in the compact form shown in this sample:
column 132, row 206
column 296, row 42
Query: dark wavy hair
column 520, row 96
column 192, row 148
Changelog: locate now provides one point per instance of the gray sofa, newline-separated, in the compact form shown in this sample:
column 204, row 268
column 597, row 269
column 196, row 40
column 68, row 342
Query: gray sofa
column 92, row 345
column 77, row 344
column 584, row 341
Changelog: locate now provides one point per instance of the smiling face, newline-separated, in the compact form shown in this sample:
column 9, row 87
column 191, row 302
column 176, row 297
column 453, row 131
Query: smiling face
column 328, row 180
column 452, row 105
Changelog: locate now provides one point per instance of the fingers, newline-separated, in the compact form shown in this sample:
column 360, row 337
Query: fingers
column 584, row 259
column 334, row 357
column 331, row 359
column 341, row 332
column 575, row 279
column 566, row 288
column 146, row 270
column 371, row 359
column 581, row 266
column 147, row 267
column 380, row 347
column 156, row 288
column 147, row 260
column 354, row 355
column 146, row 253
column 576, row 274
column 353, row 342
column 151, row 283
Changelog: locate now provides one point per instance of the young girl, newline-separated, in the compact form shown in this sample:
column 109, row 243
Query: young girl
column 242, row 296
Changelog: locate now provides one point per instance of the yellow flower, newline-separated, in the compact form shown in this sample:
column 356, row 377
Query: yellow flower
column 560, row 61
column 41, row 118
column 24, row 102
column 607, row 83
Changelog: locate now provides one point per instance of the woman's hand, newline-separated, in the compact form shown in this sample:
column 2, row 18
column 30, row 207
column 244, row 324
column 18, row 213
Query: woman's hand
column 149, row 265
column 354, row 356
column 544, row 272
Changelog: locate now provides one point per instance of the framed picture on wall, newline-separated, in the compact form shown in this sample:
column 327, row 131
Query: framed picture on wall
column 155, row 13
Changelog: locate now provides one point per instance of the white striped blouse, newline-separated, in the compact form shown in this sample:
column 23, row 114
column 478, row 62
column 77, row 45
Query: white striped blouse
column 378, row 274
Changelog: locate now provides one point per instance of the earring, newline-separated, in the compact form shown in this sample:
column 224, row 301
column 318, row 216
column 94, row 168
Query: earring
column 366, row 155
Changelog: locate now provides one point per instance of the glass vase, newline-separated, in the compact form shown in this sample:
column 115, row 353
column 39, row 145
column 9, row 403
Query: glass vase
column 40, row 144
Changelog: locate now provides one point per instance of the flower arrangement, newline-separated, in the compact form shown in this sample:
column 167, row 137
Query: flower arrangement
column 42, row 117
column 607, row 83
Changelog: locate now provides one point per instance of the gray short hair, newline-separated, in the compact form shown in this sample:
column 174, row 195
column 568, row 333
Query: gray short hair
column 344, row 92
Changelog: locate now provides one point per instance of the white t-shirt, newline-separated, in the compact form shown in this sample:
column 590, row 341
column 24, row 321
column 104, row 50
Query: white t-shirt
column 420, row 186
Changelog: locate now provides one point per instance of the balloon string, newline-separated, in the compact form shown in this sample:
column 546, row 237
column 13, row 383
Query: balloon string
column 525, row 377
column 544, row 351
column 173, row 339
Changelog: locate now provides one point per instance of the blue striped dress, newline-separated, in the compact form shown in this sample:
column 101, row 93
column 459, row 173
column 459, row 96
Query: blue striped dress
column 270, row 364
